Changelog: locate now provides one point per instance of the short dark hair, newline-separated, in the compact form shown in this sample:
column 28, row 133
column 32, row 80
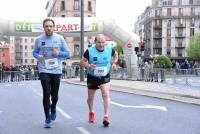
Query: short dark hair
column 48, row 19
column 95, row 39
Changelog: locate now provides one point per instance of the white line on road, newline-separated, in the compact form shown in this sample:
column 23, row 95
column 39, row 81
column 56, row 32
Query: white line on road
column 8, row 85
column 58, row 108
column 63, row 113
column 162, row 108
column 21, row 84
column 83, row 130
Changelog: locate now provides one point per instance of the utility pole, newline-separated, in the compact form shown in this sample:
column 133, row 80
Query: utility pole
column 82, row 40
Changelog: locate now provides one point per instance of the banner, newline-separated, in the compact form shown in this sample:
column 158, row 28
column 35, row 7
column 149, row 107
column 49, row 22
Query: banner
column 61, row 25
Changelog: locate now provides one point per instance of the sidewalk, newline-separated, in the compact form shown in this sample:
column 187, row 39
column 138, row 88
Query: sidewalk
column 159, row 90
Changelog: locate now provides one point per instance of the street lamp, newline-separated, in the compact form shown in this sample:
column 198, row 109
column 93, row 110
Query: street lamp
column 82, row 39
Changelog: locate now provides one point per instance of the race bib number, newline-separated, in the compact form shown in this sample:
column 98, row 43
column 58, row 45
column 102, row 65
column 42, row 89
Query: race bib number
column 100, row 71
column 51, row 63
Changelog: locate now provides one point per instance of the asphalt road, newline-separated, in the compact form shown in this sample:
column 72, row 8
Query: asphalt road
column 21, row 112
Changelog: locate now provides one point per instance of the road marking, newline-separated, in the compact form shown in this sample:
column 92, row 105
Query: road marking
column 162, row 108
column 8, row 85
column 83, row 130
column 58, row 108
column 63, row 113
column 21, row 84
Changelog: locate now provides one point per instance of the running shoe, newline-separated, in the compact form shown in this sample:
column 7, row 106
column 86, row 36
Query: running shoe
column 47, row 123
column 91, row 117
column 106, row 121
column 53, row 114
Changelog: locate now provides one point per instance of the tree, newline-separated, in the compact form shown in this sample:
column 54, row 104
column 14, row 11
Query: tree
column 163, row 61
column 119, row 49
column 193, row 49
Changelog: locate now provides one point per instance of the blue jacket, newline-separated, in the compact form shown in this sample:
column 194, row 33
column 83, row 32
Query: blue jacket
column 44, row 46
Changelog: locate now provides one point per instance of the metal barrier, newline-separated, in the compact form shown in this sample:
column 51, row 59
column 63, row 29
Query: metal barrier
column 190, row 77
column 13, row 76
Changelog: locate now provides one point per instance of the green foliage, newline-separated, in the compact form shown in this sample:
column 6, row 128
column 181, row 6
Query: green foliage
column 163, row 61
column 193, row 49
column 119, row 49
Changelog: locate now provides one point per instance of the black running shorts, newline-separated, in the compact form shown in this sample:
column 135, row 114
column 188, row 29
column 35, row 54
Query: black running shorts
column 94, row 82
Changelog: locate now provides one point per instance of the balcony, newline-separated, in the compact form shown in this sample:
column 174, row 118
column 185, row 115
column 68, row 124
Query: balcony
column 157, row 26
column 179, row 55
column 180, row 26
column 157, row 46
column 180, row 35
column 157, row 36
column 180, row 45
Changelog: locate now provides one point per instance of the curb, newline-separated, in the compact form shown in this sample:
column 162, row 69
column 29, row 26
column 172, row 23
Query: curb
column 161, row 95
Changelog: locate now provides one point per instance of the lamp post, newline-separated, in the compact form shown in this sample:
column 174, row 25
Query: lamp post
column 82, row 39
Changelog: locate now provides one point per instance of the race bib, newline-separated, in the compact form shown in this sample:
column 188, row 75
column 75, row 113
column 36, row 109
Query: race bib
column 100, row 71
column 51, row 63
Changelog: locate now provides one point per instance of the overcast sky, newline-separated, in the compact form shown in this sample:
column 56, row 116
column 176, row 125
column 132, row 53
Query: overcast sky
column 125, row 12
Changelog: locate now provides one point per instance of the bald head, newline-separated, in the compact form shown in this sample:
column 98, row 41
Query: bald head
column 100, row 42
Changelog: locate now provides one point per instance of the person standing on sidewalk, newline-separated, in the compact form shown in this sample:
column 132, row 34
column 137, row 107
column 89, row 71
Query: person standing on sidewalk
column 49, row 50
column 99, row 60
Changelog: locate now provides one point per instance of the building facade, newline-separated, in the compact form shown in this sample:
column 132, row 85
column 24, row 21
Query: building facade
column 165, row 27
column 71, row 8
column 23, row 51
column 5, row 54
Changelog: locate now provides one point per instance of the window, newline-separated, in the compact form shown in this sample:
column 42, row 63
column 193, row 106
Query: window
column 168, row 43
column 76, row 38
column 76, row 15
column 76, row 4
column 169, row 2
column 25, row 40
column 180, row 42
column 63, row 16
column 76, row 49
column 192, row 11
column 180, row 22
column 180, row 2
column 26, row 47
column 192, row 22
column 157, row 12
column 169, row 12
column 180, row 32
column 168, row 51
column 157, row 22
column 180, row 52
column 32, row 47
column 180, row 12
column 62, row 7
column 32, row 40
column 191, row 31
column 26, row 61
column 32, row 60
column 89, row 6
column 190, row 1
column 169, row 23
column 26, row 54
column 168, row 32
